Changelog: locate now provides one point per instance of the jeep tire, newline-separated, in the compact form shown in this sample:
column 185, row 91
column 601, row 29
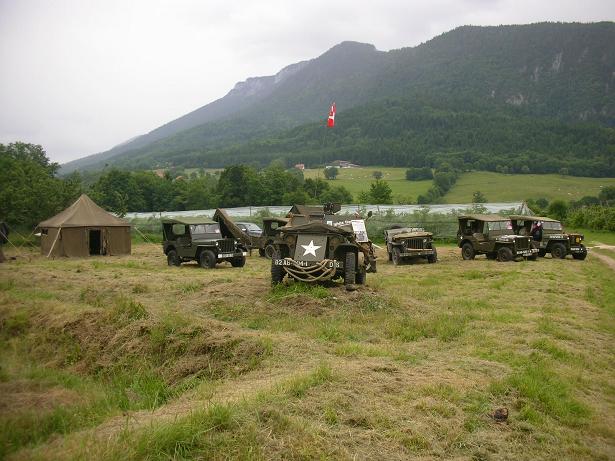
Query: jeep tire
column 505, row 254
column 277, row 272
column 350, row 268
column 558, row 251
column 467, row 251
column 238, row 261
column 172, row 258
column 396, row 256
column 360, row 277
column 433, row 257
column 580, row 256
column 207, row 259
column 270, row 251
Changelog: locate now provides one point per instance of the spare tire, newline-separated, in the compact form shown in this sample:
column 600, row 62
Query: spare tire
column 350, row 268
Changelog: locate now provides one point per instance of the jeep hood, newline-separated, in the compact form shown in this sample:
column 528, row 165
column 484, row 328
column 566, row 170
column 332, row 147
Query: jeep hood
column 315, row 227
column 405, row 235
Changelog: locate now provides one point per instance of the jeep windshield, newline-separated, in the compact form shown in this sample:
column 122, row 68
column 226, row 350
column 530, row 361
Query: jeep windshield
column 552, row 225
column 251, row 227
column 499, row 225
column 204, row 231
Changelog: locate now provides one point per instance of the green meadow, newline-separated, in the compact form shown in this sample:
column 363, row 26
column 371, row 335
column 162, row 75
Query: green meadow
column 126, row 358
column 496, row 187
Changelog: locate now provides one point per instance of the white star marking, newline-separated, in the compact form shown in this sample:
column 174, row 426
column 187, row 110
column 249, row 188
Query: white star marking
column 310, row 249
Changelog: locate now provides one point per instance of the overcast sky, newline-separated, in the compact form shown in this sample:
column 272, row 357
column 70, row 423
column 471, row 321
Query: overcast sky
column 79, row 77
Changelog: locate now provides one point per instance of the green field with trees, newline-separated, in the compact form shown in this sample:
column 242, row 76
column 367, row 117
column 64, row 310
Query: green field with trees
column 357, row 180
column 499, row 187
column 32, row 191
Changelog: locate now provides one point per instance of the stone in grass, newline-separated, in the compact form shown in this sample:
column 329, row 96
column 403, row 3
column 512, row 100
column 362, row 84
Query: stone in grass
column 501, row 414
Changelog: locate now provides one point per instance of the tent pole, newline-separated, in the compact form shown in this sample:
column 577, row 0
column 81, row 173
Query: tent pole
column 144, row 237
column 54, row 242
column 12, row 244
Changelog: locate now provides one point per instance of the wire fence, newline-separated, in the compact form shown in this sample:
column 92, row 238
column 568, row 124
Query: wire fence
column 260, row 211
column 440, row 220
column 446, row 228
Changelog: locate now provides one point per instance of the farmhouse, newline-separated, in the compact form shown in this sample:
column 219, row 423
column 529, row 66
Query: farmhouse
column 84, row 229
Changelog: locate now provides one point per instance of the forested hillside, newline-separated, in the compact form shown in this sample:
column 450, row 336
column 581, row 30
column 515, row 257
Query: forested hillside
column 541, row 91
column 410, row 132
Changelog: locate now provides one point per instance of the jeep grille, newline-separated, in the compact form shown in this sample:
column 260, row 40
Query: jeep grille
column 415, row 244
column 226, row 245
column 522, row 243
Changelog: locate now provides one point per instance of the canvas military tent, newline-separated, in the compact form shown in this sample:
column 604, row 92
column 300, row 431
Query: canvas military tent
column 84, row 229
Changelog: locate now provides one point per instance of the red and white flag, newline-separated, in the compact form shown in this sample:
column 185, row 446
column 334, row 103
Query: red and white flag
column 331, row 119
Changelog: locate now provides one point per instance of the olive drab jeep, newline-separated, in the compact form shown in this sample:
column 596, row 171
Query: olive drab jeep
column 201, row 240
column 548, row 236
column 264, row 243
column 493, row 236
column 409, row 243
column 316, row 246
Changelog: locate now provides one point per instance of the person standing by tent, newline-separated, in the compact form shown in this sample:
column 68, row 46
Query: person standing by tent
column 4, row 237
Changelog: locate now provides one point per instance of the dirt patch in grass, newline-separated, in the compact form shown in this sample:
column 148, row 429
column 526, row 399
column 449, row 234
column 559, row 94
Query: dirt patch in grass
column 608, row 260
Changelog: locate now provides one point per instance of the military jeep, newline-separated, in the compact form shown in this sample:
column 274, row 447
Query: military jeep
column 197, row 239
column 409, row 243
column 493, row 236
column 265, row 241
column 548, row 236
column 315, row 246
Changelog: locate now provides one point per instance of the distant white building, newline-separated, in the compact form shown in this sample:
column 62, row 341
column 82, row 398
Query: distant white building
column 342, row 164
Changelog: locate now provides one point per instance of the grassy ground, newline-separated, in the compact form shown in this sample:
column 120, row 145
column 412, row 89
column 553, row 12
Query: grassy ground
column 508, row 188
column 357, row 180
column 495, row 186
column 126, row 358
column 595, row 237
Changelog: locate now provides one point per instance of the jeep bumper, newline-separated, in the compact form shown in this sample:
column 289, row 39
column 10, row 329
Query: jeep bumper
column 528, row 252
column 578, row 249
column 232, row 255
column 333, row 263
column 414, row 253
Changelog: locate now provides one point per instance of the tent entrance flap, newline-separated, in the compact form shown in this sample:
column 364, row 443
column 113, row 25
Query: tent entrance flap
column 95, row 241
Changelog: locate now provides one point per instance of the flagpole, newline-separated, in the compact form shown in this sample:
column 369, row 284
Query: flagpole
column 331, row 112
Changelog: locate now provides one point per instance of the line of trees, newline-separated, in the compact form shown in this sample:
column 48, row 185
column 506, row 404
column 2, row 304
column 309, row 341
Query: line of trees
column 30, row 191
column 590, row 212
column 444, row 177
column 237, row 185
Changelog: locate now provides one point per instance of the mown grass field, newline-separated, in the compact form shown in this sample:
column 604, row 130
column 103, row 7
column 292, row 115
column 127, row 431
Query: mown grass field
column 126, row 358
column 357, row 180
column 510, row 187
column 495, row 186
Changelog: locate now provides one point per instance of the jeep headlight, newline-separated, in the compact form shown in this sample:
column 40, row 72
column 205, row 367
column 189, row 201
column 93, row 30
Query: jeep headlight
column 424, row 240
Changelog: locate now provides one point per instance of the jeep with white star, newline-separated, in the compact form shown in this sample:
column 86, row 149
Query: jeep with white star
column 316, row 245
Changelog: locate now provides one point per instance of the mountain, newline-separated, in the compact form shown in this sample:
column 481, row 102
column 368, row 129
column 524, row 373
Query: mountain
column 560, row 73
